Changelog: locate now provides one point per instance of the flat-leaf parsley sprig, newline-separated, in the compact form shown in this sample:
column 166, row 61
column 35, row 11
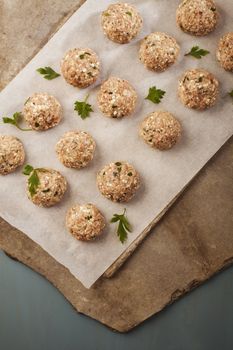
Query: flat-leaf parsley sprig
column 83, row 108
column 123, row 226
column 15, row 120
column 33, row 180
column 155, row 95
column 48, row 73
column 197, row 52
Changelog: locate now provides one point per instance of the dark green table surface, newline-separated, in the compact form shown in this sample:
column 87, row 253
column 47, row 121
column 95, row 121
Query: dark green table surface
column 35, row 316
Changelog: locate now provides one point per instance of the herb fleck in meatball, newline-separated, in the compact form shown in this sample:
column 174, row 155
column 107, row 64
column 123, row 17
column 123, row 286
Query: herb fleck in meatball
column 159, row 51
column 197, row 17
column 85, row 222
column 160, row 130
column 121, row 22
column 116, row 98
column 12, row 154
column 80, row 67
column 42, row 111
column 118, row 181
column 198, row 89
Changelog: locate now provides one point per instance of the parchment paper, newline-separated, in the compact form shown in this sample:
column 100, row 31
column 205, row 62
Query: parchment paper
column 164, row 174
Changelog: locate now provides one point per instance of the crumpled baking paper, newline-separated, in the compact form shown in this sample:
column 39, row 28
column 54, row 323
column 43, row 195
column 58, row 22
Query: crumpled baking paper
column 164, row 174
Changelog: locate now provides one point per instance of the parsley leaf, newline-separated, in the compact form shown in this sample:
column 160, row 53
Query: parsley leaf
column 129, row 13
column 15, row 120
column 155, row 95
column 83, row 108
column 33, row 183
column 28, row 169
column 48, row 73
column 123, row 226
column 33, row 180
column 231, row 93
column 197, row 52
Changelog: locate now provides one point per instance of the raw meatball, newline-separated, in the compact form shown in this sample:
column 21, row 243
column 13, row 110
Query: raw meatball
column 225, row 51
column 116, row 98
column 76, row 149
column 197, row 17
column 85, row 222
column 160, row 130
column 158, row 51
column 80, row 67
column 198, row 89
column 118, row 181
column 121, row 22
column 51, row 188
column 42, row 111
column 12, row 154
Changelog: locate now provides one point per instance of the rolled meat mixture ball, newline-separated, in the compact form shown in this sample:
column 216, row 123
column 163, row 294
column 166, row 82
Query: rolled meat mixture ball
column 42, row 111
column 12, row 154
column 160, row 130
column 118, row 181
column 116, row 98
column 158, row 51
column 225, row 52
column 121, row 22
column 80, row 67
column 85, row 222
column 76, row 149
column 198, row 89
column 51, row 187
column 197, row 17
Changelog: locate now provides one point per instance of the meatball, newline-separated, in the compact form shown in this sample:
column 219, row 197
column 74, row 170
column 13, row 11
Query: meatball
column 12, row 154
column 76, row 149
column 121, row 22
column 42, row 111
column 198, row 89
column 225, row 51
column 85, row 222
column 118, row 181
column 80, row 67
column 50, row 190
column 197, row 17
column 116, row 98
column 158, row 51
column 160, row 130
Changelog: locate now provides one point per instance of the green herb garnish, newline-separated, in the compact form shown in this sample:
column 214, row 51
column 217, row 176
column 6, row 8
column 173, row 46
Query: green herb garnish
column 155, row 95
column 26, row 101
column 48, row 73
column 129, row 13
column 231, row 94
column 83, row 108
column 33, row 180
column 123, row 226
column 15, row 120
column 197, row 52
